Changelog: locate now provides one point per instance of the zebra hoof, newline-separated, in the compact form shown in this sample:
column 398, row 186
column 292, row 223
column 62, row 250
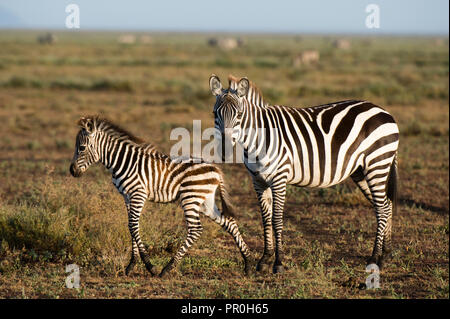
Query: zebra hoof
column 165, row 272
column 249, row 263
column 247, row 270
column 377, row 260
column 149, row 267
column 262, row 267
column 278, row 269
column 130, row 267
column 387, row 255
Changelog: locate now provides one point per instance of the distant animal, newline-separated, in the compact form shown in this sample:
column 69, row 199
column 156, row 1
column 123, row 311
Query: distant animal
column 228, row 43
column 127, row 39
column 47, row 38
column 213, row 42
column 241, row 42
column 225, row 43
column 140, row 172
column 342, row 44
column 307, row 57
column 316, row 146
column 145, row 39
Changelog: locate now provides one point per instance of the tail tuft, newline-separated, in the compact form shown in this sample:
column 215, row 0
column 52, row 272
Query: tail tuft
column 392, row 191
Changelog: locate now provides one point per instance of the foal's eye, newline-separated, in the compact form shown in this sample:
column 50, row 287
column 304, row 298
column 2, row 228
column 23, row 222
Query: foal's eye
column 82, row 148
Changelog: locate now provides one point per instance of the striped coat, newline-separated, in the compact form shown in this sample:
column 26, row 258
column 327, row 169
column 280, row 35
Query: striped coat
column 140, row 173
column 318, row 146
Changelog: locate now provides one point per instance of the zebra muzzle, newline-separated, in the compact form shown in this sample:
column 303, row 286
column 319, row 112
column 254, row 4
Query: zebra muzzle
column 75, row 172
column 226, row 147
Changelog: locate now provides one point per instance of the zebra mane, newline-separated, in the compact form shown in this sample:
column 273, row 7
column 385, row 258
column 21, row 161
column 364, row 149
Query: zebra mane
column 254, row 95
column 106, row 125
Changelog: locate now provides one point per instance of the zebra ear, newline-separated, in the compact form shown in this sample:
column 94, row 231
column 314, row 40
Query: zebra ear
column 87, row 124
column 243, row 87
column 215, row 85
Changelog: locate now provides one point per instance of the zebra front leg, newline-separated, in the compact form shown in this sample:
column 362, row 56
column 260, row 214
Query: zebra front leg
column 135, row 205
column 133, row 259
column 194, row 230
column 279, row 197
column 265, row 201
column 134, row 246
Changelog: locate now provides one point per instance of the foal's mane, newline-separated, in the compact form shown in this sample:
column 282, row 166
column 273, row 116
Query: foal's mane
column 107, row 124
column 103, row 124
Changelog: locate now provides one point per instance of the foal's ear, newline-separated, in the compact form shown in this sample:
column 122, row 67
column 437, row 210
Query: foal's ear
column 215, row 85
column 87, row 124
column 243, row 87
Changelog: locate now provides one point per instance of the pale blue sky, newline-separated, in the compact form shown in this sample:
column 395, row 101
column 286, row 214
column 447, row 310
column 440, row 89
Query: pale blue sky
column 312, row 16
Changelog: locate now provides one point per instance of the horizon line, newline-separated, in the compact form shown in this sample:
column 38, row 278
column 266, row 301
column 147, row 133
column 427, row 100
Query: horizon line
column 247, row 32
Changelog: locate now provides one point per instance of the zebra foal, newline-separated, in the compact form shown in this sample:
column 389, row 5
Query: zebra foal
column 140, row 173
column 318, row 146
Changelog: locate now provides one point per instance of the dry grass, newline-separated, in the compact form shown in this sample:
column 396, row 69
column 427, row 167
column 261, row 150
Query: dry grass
column 49, row 220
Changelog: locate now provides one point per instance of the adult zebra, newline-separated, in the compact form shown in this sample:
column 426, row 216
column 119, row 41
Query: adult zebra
column 314, row 147
column 140, row 172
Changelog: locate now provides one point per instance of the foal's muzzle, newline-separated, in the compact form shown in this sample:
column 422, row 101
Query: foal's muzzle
column 75, row 171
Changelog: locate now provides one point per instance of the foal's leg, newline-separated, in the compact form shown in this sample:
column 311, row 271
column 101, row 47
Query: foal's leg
column 134, row 247
column 135, row 205
column 133, row 259
column 194, row 230
column 229, row 225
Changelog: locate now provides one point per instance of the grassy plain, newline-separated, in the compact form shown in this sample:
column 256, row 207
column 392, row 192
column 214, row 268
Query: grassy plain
column 49, row 219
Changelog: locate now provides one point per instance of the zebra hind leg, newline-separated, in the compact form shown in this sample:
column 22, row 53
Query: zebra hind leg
column 358, row 178
column 378, row 181
column 195, row 228
column 230, row 226
column 392, row 183
column 384, row 214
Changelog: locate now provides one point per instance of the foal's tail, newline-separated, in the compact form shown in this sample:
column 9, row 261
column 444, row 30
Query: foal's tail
column 227, row 207
column 392, row 184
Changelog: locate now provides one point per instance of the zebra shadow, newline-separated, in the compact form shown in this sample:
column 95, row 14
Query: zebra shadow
column 434, row 209
column 318, row 230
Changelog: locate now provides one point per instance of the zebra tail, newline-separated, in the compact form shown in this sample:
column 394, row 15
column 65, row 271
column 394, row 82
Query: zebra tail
column 392, row 187
column 227, row 207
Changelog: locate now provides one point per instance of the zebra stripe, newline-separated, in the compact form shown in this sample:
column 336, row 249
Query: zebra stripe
column 140, row 172
column 318, row 146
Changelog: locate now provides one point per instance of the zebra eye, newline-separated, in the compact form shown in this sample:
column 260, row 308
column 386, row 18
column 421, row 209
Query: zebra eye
column 82, row 148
